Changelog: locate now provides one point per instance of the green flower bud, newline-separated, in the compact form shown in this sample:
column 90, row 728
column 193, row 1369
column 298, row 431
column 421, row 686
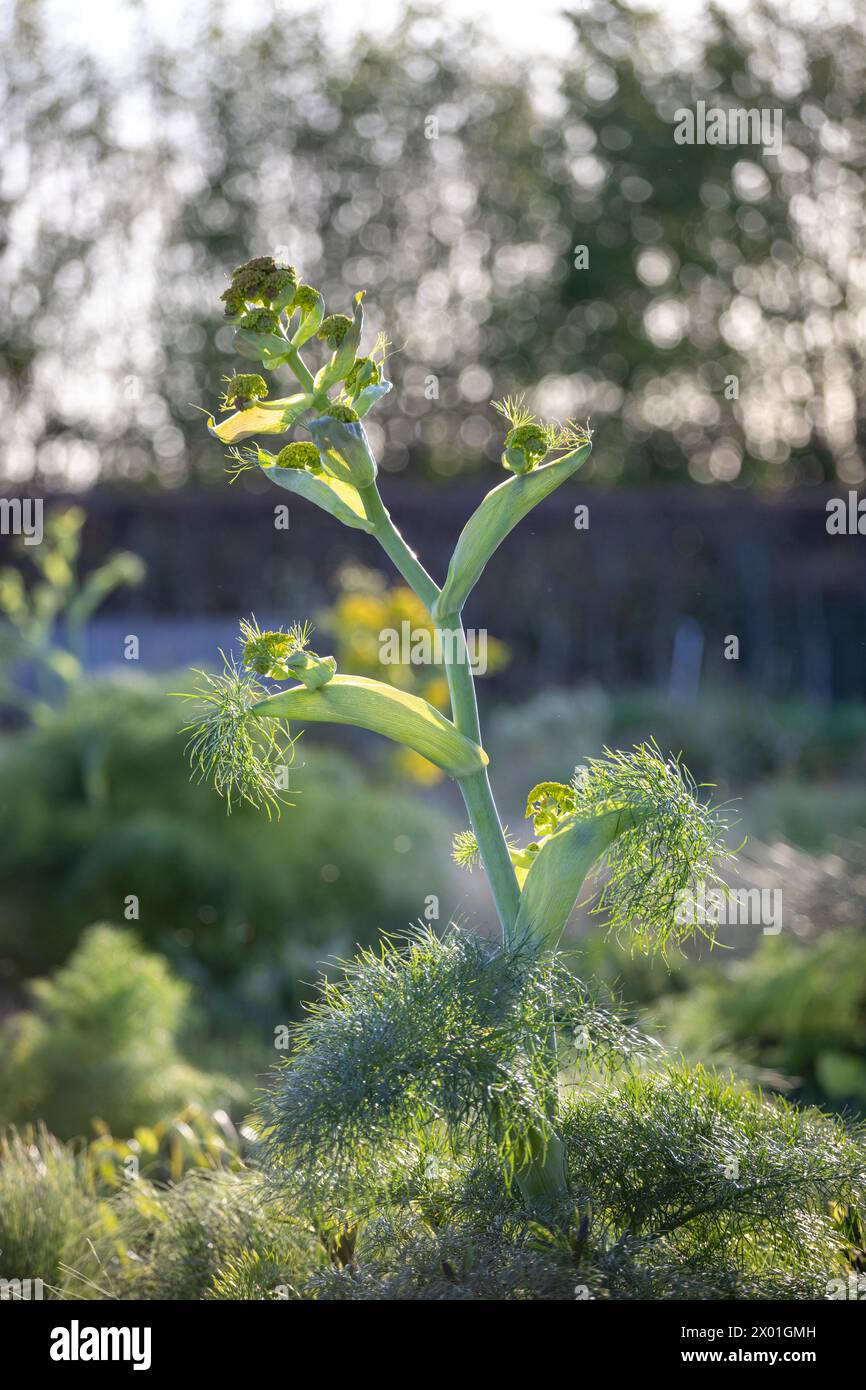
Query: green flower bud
column 365, row 372
column 313, row 671
column 345, row 335
column 299, row 455
column 306, row 299
column 260, row 281
column 309, row 305
column 283, row 655
column 525, row 447
column 250, row 272
column 333, row 329
column 234, row 301
column 278, row 288
column 548, row 804
column 266, row 652
column 341, row 412
column 260, row 321
column 243, row 389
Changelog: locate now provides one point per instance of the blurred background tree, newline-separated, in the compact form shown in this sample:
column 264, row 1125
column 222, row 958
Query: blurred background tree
column 455, row 180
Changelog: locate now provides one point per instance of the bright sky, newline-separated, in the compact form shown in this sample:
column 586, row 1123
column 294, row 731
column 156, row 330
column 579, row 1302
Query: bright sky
column 110, row 26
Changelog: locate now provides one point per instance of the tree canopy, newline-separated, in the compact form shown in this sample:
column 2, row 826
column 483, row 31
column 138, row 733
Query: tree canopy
column 523, row 222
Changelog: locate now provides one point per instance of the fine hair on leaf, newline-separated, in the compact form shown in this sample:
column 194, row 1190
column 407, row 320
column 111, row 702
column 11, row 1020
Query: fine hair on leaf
column 238, row 753
column 669, row 844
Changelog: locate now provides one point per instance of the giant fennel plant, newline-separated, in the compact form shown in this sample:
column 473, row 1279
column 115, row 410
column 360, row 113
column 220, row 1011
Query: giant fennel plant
column 435, row 1049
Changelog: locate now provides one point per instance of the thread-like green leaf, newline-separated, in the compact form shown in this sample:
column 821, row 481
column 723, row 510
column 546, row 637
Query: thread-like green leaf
column 370, row 704
column 498, row 514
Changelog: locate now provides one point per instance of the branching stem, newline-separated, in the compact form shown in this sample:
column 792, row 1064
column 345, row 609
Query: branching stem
column 476, row 790
column 395, row 547
column 477, row 794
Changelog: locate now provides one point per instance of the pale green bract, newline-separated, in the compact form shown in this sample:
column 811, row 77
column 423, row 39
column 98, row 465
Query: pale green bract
column 266, row 417
column 339, row 498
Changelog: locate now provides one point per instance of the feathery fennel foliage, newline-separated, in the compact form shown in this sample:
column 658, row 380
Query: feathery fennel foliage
column 430, row 1034
column 717, row 1172
column 669, row 845
column 685, row 1186
column 238, row 754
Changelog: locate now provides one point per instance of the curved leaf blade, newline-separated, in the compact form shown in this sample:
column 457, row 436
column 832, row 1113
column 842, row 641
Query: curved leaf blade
column 491, row 522
column 370, row 396
column 557, row 874
column 267, row 417
column 395, row 714
column 333, row 495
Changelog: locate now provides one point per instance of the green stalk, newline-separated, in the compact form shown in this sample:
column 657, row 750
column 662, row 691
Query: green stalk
column 543, row 1182
column 395, row 547
column 483, row 815
column 301, row 371
column 476, row 791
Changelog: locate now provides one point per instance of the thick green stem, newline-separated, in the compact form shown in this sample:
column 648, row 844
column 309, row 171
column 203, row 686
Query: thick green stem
column 301, row 370
column 483, row 816
column 476, row 788
column 492, row 848
column 393, row 544
column 543, row 1181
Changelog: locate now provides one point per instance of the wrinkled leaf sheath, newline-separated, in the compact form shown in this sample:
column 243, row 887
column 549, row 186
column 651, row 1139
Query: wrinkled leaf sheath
column 554, row 882
column 344, row 450
column 340, row 499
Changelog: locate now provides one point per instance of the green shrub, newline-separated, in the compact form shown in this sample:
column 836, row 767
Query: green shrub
column 787, row 1008
column 214, row 1235
column 686, row 1186
column 102, row 1042
column 45, row 1208
column 97, row 805
column 727, row 737
column 715, row 1176
column 398, row 1114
